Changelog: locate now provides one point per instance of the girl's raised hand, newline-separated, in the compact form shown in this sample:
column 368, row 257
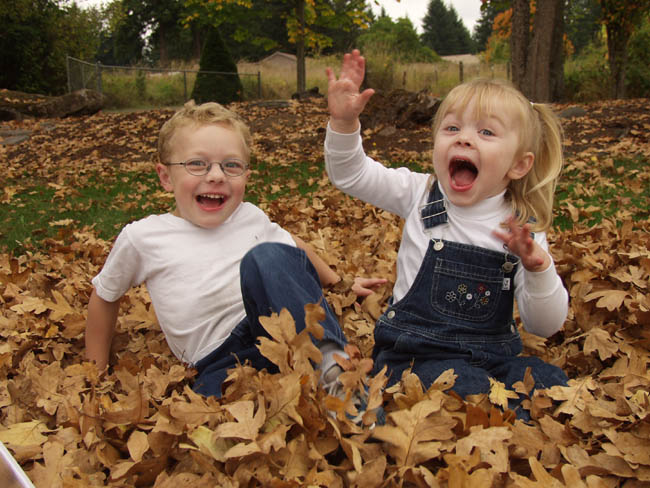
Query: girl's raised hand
column 519, row 242
column 344, row 100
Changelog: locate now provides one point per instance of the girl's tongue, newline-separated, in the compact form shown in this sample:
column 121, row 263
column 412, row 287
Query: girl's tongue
column 463, row 173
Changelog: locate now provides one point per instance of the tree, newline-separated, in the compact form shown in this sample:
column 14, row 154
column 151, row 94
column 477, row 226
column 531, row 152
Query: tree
column 35, row 36
column 398, row 38
column 582, row 23
column 304, row 20
column 224, row 86
column 483, row 27
column 444, row 31
column 620, row 18
column 537, row 54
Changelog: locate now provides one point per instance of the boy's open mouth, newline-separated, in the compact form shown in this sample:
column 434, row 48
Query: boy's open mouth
column 462, row 173
column 210, row 200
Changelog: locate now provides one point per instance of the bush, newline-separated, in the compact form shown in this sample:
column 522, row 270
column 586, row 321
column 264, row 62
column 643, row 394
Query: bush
column 211, row 87
column 586, row 77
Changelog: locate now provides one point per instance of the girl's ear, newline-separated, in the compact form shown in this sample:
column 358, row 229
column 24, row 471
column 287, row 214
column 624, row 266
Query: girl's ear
column 521, row 166
column 164, row 176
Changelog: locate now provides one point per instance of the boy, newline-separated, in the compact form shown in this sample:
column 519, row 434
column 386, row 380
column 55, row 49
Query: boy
column 216, row 263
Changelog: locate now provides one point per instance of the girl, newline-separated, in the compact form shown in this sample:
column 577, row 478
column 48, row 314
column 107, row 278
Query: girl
column 467, row 247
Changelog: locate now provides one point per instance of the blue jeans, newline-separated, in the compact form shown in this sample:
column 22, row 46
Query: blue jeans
column 273, row 276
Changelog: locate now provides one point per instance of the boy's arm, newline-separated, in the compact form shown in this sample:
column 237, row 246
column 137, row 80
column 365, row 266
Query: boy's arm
column 327, row 275
column 344, row 101
column 102, row 317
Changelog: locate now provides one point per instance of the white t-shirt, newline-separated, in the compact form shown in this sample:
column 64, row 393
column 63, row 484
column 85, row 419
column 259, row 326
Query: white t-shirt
column 541, row 297
column 191, row 273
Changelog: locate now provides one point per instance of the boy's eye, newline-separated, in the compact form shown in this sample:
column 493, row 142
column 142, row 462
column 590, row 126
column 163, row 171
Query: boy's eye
column 196, row 164
column 233, row 164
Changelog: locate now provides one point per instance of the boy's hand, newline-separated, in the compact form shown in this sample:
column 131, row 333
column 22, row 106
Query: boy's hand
column 519, row 242
column 364, row 287
column 344, row 101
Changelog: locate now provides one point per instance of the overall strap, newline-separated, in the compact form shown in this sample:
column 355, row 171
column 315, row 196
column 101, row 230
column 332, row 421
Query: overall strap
column 434, row 212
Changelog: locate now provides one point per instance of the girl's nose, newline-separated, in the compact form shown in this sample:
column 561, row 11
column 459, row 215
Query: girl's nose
column 464, row 138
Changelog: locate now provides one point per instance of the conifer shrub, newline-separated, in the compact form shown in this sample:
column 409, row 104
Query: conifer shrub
column 222, row 87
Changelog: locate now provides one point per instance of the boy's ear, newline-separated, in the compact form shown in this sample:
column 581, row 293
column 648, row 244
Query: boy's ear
column 522, row 166
column 164, row 176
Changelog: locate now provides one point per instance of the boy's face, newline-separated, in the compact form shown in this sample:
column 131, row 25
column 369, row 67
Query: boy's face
column 208, row 200
column 475, row 159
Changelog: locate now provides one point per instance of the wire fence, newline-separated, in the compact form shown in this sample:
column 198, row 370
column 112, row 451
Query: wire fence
column 157, row 86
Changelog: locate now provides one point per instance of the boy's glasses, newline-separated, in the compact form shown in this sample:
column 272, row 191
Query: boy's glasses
column 198, row 167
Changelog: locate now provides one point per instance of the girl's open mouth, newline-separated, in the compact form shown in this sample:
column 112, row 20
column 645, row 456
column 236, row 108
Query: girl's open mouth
column 462, row 174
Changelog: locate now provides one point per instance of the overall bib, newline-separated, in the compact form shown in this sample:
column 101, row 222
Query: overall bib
column 458, row 314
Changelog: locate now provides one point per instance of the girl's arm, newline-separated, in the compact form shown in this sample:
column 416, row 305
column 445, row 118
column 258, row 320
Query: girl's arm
column 344, row 101
column 542, row 300
column 102, row 317
column 327, row 275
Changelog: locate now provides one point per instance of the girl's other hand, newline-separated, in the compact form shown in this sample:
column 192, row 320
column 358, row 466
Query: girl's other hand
column 364, row 287
column 520, row 242
column 344, row 100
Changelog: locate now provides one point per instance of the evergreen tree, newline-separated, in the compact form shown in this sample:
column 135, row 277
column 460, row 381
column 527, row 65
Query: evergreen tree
column 444, row 31
column 483, row 27
column 582, row 23
column 211, row 87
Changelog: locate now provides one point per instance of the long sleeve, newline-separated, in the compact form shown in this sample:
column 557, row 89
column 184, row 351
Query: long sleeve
column 542, row 300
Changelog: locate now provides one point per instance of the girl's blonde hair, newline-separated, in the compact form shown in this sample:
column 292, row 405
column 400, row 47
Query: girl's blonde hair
column 540, row 133
column 209, row 113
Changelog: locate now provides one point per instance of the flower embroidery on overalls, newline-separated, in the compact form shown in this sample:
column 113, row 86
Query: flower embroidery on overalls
column 468, row 300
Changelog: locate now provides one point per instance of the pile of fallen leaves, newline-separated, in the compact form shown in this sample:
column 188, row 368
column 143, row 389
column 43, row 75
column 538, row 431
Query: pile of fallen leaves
column 141, row 425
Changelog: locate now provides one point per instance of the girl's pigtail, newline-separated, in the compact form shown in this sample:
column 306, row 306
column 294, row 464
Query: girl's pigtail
column 534, row 194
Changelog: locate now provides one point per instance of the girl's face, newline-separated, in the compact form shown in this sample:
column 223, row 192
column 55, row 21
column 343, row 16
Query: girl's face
column 208, row 200
column 475, row 158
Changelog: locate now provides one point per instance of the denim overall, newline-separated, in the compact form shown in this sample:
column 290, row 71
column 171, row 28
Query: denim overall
column 273, row 276
column 458, row 314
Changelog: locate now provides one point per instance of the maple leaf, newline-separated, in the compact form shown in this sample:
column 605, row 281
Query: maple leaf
column 23, row 434
column 499, row 394
column 60, row 308
column 609, row 299
column 247, row 424
column 491, row 443
column 410, row 438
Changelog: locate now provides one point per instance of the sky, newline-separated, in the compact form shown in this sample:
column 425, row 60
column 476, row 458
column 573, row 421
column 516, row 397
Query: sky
column 468, row 10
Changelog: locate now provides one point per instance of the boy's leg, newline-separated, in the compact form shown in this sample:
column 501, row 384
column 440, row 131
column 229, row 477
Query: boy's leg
column 276, row 276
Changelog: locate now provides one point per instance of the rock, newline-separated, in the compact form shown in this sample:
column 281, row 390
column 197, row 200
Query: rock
column 17, row 105
column 570, row 112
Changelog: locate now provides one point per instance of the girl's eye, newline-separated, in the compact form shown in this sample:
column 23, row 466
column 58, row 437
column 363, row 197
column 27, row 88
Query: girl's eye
column 452, row 128
column 486, row 132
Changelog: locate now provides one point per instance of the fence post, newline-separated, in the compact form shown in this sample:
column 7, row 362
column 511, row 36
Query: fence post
column 98, row 71
column 184, row 85
column 67, row 72
column 460, row 71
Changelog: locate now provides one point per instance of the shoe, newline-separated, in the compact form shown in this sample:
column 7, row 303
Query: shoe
column 334, row 387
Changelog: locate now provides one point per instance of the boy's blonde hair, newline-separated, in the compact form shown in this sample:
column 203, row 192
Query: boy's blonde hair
column 539, row 133
column 209, row 113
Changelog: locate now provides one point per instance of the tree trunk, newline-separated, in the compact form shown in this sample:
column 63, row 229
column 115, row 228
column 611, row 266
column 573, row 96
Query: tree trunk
column 537, row 60
column 519, row 40
column 300, row 48
column 617, row 39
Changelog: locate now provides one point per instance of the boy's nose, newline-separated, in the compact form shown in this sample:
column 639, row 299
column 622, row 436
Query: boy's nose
column 215, row 173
